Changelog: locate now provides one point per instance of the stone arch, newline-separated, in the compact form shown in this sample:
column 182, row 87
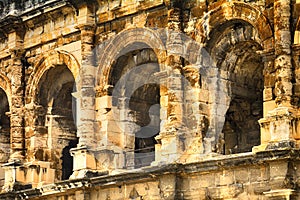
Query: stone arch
column 135, row 102
column 47, row 61
column 241, row 32
column 50, row 107
column 122, row 44
column 236, row 11
column 123, row 56
column 239, row 72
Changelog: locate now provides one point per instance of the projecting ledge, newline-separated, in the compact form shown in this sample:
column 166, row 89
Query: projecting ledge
column 280, row 194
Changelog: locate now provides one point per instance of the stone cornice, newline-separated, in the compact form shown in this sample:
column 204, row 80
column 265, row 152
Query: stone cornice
column 10, row 23
column 209, row 164
column 27, row 8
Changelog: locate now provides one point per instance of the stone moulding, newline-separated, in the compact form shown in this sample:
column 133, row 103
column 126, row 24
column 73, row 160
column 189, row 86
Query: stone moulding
column 214, row 165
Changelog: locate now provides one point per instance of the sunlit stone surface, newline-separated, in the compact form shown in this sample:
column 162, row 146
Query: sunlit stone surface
column 149, row 99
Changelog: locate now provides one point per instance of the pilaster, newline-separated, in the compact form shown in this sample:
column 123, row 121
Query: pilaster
column 172, row 132
column 283, row 62
column 86, row 110
column 15, row 40
column 279, row 125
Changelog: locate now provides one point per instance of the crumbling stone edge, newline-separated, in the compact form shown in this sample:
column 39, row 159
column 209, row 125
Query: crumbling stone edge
column 213, row 164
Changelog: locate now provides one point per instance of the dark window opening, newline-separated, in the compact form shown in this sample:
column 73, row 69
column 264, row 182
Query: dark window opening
column 59, row 119
column 67, row 160
column 136, row 94
column 145, row 103
column 241, row 129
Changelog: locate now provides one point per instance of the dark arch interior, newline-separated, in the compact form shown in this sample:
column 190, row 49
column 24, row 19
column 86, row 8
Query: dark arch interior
column 132, row 68
column 4, row 127
column 145, row 103
column 234, row 50
column 55, row 94
column 224, row 31
column 67, row 160
column 241, row 129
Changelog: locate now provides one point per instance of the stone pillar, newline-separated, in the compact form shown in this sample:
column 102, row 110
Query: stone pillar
column 12, row 168
column 283, row 63
column 112, row 141
column 17, row 107
column 35, row 130
column 279, row 125
column 86, row 109
column 268, row 96
column 172, row 132
column 86, row 113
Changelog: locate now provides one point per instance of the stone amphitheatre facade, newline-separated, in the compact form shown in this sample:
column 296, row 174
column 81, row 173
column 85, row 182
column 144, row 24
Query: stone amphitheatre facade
column 149, row 99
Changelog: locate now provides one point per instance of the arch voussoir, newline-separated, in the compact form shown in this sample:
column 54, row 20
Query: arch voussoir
column 118, row 46
column 47, row 61
column 236, row 11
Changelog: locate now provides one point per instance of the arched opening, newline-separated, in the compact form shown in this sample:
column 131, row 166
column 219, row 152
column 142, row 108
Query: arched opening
column 4, row 132
column 55, row 96
column 240, row 87
column 241, row 129
column 136, row 99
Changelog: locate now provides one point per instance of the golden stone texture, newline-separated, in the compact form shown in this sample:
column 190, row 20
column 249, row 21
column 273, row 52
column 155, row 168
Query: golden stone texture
column 149, row 99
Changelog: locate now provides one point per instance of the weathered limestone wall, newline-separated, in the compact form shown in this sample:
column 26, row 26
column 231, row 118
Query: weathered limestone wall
column 263, row 176
column 161, row 99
